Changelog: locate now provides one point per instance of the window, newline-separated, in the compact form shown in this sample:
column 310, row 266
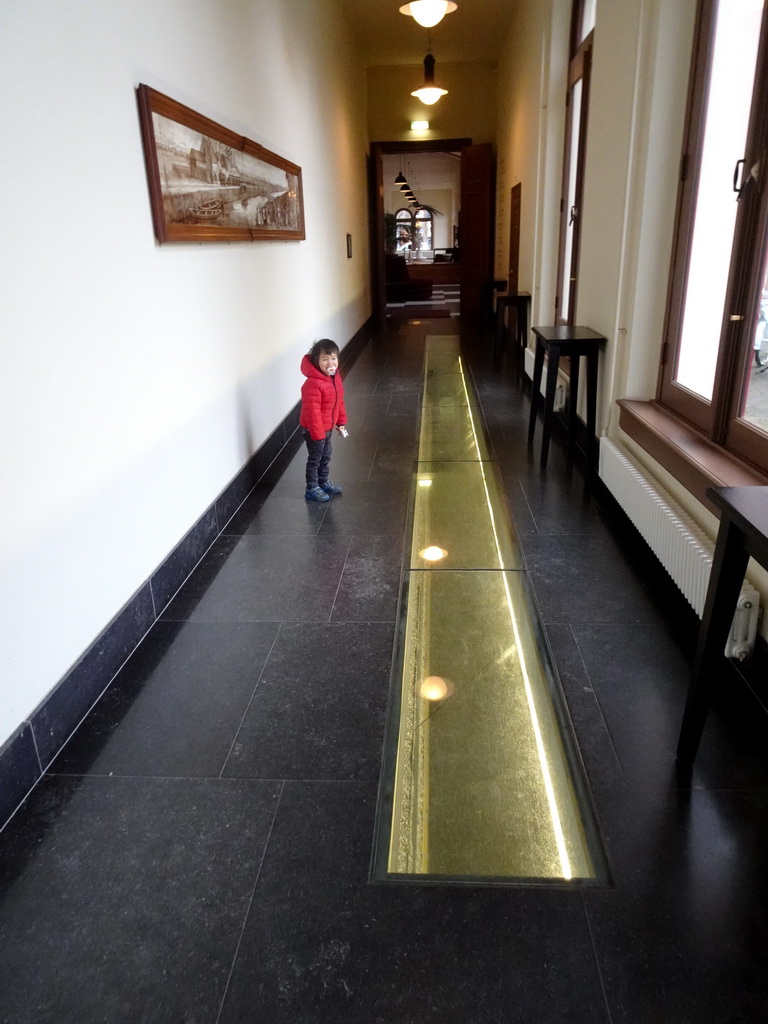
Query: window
column 413, row 230
column 716, row 337
column 577, row 105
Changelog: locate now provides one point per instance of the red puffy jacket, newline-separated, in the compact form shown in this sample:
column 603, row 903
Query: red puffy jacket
column 322, row 401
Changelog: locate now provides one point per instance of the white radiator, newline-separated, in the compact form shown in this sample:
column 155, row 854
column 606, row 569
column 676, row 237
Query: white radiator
column 681, row 546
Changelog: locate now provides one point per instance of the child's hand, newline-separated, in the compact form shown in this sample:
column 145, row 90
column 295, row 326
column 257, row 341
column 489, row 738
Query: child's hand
column 342, row 431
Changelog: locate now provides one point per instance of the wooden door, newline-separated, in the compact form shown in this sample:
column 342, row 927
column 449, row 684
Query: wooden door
column 476, row 240
column 513, row 271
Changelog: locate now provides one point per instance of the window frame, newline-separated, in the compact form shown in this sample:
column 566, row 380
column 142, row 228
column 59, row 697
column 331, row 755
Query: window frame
column 579, row 69
column 718, row 418
column 417, row 215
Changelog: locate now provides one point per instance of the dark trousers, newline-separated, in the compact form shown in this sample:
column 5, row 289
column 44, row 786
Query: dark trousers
column 318, row 458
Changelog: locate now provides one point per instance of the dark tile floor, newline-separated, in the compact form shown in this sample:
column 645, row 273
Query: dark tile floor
column 199, row 851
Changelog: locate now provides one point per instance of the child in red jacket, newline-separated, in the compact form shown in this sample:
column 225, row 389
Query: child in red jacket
column 322, row 410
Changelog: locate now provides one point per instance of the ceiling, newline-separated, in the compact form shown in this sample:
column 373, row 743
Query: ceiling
column 475, row 31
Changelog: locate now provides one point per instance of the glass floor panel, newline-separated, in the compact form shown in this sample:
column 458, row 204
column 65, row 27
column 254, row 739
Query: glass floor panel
column 446, row 390
column 451, row 434
column 482, row 780
column 440, row 356
column 460, row 520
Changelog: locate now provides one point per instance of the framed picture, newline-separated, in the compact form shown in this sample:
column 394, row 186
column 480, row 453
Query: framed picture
column 208, row 184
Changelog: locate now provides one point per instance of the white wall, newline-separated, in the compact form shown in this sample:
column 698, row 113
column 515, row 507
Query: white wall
column 640, row 67
column 137, row 379
column 531, row 125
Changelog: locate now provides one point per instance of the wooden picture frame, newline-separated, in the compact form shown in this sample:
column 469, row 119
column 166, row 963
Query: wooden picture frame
column 208, row 184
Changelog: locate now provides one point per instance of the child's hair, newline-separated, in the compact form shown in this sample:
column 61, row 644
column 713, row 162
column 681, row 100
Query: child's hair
column 321, row 347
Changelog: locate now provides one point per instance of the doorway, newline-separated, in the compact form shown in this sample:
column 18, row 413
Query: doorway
column 408, row 267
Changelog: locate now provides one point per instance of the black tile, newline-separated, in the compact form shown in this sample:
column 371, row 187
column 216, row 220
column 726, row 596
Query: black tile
column 393, row 460
column 640, row 674
column 370, row 582
column 183, row 559
column 585, row 578
column 684, row 936
column 19, row 770
column 563, row 504
column 175, row 707
column 61, row 712
column 369, row 507
column 279, row 509
column 270, row 579
column 122, row 900
column 601, row 761
column 318, row 711
column 405, row 404
column 321, row 946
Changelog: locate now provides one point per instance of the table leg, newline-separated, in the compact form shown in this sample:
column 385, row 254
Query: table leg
column 573, row 399
column 499, row 331
column 538, row 366
column 592, row 361
column 728, row 568
column 553, row 362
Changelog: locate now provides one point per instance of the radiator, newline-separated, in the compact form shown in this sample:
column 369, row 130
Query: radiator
column 681, row 546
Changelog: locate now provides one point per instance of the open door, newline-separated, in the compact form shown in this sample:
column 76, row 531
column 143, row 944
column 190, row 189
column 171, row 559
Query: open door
column 476, row 237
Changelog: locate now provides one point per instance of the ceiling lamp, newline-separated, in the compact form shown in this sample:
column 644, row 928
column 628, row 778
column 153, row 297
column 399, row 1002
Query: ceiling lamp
column 429, row 92
column 428, row 12
column 400, row 180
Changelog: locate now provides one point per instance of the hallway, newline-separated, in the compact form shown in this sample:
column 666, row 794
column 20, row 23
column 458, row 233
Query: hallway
column 200, row 850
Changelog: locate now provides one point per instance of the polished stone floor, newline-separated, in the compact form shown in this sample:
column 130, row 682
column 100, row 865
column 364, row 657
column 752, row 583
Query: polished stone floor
column 200, row 850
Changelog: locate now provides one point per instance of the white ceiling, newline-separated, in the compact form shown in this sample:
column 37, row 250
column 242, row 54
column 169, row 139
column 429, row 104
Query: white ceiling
column 475, row 31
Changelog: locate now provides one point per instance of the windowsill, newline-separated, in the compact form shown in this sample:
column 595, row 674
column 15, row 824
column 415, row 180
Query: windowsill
column 685, row 452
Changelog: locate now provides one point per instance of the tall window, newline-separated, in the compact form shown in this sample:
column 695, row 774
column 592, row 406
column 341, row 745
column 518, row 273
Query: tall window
column 413, row 230
column 716, row 338
column 577, row 105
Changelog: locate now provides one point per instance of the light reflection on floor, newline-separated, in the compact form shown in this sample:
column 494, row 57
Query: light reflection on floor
column 486, row 783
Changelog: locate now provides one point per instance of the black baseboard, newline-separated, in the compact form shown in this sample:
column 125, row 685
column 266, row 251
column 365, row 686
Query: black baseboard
column 27, row 753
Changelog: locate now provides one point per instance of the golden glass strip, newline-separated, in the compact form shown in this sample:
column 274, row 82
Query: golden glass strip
column 484, row 783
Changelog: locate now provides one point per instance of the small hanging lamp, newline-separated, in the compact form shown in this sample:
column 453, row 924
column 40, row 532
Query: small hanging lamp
column 428, row 12
column 429, row 93
column 400, row 180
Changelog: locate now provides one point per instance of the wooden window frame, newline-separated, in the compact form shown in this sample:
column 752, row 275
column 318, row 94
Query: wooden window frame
column 579, row 68
column 717, row 420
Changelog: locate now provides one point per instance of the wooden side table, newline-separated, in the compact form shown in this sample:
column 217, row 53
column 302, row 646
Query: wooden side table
column 573, row 342
column 743, row 533
column 520, row 302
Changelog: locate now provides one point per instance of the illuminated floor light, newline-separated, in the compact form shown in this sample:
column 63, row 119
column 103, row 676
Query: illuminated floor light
column 435, row 688
column 433, row 553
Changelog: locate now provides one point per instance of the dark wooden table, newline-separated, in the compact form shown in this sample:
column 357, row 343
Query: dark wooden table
column 573, row 342
column 743, row 533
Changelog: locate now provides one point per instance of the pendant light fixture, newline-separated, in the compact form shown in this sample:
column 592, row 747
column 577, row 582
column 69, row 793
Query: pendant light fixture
column 428, row 12
column 400, row 180
column 429, row 92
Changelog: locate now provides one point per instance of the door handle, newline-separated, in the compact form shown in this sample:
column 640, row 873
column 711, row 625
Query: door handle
column 574, row 215
column 736, row 175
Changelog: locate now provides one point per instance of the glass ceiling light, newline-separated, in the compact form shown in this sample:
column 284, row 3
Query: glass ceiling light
column 429, row 92
column 428, row 12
